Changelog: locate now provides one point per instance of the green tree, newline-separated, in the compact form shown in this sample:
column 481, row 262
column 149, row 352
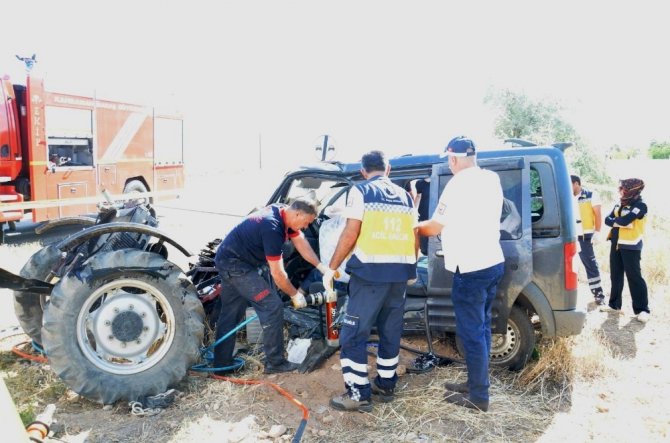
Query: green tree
column 659, row 150
column 542, row 122
column 618, row 153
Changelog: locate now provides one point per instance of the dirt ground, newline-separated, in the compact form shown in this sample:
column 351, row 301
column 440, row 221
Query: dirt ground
column 234, row 412
column 623, row 398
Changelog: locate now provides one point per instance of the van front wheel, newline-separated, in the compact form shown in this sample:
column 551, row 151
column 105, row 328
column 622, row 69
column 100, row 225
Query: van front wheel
column 511, row 349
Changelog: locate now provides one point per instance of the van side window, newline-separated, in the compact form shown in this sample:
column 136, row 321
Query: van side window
column 339, row 203
column 536, row 202
column 510, row 213
column 544, row 203
column 510, row 217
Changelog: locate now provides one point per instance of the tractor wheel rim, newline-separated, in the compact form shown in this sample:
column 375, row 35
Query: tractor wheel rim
column 125, row 327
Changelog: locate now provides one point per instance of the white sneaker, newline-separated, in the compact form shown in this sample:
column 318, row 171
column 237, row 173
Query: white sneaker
column 643, row 317
column 606, row 308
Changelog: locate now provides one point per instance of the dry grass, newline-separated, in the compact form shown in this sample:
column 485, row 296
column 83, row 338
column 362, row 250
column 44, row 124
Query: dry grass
column 419, row 410
column 32, row 385
column 565, row 360
column 555, row 366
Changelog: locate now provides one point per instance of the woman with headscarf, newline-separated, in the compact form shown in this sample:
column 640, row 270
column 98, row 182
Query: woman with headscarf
column 627, row 221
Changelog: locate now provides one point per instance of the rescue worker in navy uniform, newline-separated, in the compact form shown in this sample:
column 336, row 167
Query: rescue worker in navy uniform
column 627, row 220
column 243, row 258
column 588, row 228
column 468, row 219
column 380, row 230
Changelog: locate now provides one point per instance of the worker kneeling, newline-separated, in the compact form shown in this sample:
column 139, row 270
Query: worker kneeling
column 243, row 260
column 380, row 230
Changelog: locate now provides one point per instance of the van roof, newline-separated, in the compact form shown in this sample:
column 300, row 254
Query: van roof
column 416, row 160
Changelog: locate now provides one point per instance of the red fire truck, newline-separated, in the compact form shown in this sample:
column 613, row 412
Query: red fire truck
column 58, row 152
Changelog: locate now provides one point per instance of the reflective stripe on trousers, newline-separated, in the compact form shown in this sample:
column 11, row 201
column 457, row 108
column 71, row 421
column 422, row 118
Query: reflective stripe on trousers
column 371, row 304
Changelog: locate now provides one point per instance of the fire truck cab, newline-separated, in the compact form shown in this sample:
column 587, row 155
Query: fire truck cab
column 57, row 148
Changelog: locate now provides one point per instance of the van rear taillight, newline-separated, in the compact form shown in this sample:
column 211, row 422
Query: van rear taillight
column 569, row 251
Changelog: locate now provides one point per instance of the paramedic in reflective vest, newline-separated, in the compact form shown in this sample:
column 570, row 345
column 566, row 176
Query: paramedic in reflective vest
column 627, row 221
column 242, row 260
column 588, row 228
column 380, row 234
column 468, row 218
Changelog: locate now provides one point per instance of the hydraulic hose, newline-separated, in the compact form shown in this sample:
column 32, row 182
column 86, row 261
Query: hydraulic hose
column 305, row 412
column 420, row 352
column 206, row 352
column 204, row 367
column 37, row 358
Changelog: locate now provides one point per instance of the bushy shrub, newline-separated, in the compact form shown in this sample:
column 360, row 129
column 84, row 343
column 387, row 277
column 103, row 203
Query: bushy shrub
column 659, row 150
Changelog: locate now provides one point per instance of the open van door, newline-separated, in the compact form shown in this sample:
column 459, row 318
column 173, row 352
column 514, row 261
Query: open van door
column 515, row 238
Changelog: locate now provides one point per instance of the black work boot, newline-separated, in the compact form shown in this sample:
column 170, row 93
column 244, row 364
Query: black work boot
column 285, row 366
column 461, row 400
column 457, row 387
column 383, row 395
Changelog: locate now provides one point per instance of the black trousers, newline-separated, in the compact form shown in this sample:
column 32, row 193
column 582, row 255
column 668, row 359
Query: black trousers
column 627, row 262
column 243, row 285
column 588, row 258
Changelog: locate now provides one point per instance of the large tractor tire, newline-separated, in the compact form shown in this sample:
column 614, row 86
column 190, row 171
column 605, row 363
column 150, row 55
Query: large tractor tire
column 513, row 349
column 29, row 306
column 127, row 324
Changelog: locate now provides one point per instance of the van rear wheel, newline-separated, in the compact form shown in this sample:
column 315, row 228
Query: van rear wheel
column 511, row 349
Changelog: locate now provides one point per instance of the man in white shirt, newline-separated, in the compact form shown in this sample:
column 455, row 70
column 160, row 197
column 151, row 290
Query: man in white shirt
column 468, row 218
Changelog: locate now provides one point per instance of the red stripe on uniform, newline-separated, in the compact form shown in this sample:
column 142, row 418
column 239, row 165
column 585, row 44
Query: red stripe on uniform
column 261, row 295
column 273, row 257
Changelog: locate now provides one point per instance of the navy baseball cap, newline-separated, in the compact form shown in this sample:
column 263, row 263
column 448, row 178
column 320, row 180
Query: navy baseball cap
column 460, row 146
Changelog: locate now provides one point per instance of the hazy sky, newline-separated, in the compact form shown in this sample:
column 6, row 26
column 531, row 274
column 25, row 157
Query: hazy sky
column 399, row 76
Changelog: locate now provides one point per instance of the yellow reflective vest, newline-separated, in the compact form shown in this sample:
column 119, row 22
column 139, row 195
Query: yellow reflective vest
column 586, row 212
column 631, row 234
column 385, row 248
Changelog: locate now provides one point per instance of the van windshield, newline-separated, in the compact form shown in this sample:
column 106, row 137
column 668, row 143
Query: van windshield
column 321, row 190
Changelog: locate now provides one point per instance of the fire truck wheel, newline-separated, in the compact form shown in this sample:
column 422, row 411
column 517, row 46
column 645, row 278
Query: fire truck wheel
column 29, row 306
column 128, row 324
